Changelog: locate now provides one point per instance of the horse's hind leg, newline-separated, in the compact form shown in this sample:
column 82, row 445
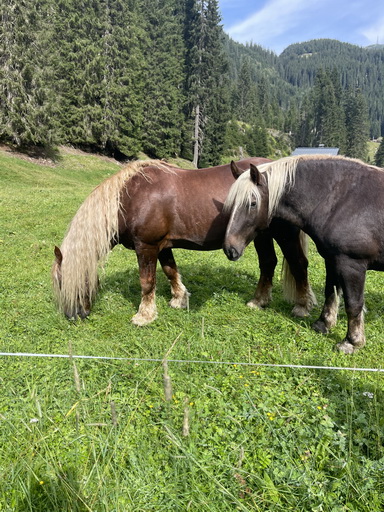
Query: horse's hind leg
column 352, row 277
column 180, row 295
column 267, row 264
column 293, row 243
column 332, row 292
column 147, row 259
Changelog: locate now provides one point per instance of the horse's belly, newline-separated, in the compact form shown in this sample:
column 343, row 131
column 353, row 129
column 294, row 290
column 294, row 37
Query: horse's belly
column 376, row 266
column 196, row 245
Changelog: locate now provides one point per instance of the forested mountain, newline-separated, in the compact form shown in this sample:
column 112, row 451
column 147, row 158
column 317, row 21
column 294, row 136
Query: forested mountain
column 160, row 76
column 357, row 67
column 330, row 92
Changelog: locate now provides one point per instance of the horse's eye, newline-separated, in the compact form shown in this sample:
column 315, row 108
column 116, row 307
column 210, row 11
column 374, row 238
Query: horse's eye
column 253, row 204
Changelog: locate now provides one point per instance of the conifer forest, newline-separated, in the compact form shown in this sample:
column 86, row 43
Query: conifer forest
column 161, row 77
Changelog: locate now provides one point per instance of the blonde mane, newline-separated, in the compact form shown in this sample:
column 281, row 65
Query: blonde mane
column 89, row 237
column 280, row 176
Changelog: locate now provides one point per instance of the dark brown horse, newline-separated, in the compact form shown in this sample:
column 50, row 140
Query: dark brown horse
column 339, row 203
column 153, row 207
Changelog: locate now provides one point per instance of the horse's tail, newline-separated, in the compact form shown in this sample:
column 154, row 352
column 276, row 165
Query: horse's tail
column 288, row 281
column 88, row 241
column 90, row 237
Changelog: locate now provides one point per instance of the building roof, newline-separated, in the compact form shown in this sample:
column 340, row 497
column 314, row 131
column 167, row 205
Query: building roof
column 321, row 150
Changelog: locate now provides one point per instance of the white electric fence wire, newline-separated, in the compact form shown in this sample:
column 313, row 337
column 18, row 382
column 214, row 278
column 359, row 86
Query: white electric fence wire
column 187, row 361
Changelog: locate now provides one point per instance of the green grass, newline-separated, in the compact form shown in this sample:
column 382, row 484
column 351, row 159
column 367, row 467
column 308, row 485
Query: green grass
column 372, row 149
column 99, row 435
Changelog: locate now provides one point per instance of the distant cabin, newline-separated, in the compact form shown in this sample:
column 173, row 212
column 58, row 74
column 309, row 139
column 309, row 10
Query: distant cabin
column 320, row 150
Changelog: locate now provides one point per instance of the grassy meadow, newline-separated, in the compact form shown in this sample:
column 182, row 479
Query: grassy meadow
column 127, row 434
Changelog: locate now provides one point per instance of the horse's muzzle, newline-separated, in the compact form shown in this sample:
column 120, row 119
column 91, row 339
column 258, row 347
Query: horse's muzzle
column 81, row 313
column 232, row 253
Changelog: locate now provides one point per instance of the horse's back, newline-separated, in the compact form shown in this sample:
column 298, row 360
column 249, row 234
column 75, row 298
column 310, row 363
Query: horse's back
column 179, row 207
column 346, row 199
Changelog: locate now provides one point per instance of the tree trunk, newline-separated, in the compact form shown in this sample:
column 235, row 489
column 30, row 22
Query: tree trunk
column 196, row 137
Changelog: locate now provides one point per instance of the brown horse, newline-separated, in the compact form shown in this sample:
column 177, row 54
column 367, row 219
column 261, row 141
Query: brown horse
column 153, row 207
column 339, row 203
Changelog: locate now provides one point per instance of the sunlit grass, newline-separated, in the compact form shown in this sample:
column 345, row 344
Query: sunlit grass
column 80, row 435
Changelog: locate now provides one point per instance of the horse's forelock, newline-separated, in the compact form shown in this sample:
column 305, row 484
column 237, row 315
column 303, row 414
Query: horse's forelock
column 278, row 174
column 242, row 193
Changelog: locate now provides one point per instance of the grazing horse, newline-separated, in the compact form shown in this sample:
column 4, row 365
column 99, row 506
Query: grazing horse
column 153, row 207
column 339, row 203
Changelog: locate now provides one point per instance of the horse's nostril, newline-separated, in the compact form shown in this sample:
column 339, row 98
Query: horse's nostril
column 232, row 253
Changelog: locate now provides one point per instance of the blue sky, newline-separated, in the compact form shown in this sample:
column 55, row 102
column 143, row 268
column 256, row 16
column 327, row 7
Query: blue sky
column 275, row 24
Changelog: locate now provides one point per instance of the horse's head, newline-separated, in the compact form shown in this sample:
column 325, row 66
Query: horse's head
column 73, row 306
column 247, row 204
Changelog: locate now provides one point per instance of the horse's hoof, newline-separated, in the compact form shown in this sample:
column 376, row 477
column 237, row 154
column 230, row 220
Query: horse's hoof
column 319, row 326
column 300, row 311
column 141, row 320
column 176, row 304
column 254, row 304
column 346, row 348
column 180, row 302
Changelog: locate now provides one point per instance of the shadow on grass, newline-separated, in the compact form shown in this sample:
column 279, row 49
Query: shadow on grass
column 202, row 281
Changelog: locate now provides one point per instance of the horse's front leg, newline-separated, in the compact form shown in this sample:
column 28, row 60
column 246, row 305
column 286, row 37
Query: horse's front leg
column 147, row 259
column 352, row 275
column 267, row 264
column 293, row 243
column 332, row 292
column 179, row 292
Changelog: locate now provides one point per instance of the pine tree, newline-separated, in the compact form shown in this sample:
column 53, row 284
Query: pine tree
column 328, row 111
column 356, row 125
column 206, row 90
column 123, row 99
column 76, row 47
column 100, row 74
column 291, row 120
column 217, row 114
column 264, row 99
column 244, row 92
column 27, row 103
column 305, row 129
column 257, row 141
column 164, row 99
column 193, row 35
column 337, row 127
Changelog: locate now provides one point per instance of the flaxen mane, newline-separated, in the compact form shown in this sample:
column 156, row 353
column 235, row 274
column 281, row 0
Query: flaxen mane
column 89, row 236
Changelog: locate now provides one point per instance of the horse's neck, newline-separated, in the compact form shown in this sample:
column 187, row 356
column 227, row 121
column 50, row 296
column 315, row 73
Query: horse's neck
column 290, row 213
column 297, row 202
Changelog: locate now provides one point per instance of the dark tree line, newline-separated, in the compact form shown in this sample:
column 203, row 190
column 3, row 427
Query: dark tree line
column 121, row 76
column 161, row 77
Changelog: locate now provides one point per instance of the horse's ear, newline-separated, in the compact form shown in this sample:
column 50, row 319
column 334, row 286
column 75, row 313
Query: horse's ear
column 235, row 170
column 58, row 255
column 255, row 175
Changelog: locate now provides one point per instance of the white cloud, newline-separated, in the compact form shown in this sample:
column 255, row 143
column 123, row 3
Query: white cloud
column 375, row 32
column 275, row 18
column 279, row 23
